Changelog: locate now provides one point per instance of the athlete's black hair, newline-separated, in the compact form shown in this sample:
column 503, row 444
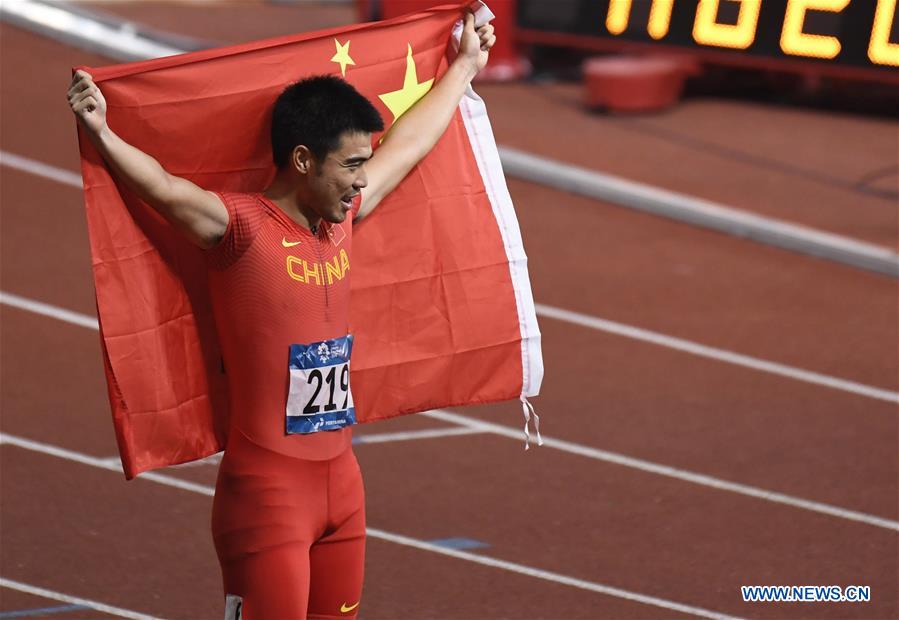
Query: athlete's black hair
column 315, row 112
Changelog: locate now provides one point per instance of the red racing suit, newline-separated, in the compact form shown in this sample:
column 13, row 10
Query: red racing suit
column 288, row 516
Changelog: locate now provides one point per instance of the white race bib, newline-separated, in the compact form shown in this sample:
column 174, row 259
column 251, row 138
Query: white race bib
column 319, row 398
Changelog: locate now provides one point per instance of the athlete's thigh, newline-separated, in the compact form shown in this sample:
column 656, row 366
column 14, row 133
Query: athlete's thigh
column 337, row 561
column 271, row 584
column 267, row 511
column 337, row 568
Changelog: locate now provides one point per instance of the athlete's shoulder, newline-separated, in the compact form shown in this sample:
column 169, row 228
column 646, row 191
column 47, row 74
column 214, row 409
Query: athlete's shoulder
column 246, row 215
column 246, row 210
column 242, row 200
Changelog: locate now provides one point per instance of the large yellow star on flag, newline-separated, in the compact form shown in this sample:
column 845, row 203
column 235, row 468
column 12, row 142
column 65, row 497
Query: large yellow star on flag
column 399, row 101
column 342, row 56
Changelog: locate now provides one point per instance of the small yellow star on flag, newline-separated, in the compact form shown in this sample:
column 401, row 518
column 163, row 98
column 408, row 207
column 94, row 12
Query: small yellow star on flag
column 401, row 100
column 342, row 56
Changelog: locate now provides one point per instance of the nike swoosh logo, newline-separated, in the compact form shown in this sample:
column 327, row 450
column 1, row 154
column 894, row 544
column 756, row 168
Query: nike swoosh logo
column 288, row 244
column 345, row 609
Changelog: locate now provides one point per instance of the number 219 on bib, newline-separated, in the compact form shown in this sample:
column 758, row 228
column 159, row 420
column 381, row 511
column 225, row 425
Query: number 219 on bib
column 319, row 398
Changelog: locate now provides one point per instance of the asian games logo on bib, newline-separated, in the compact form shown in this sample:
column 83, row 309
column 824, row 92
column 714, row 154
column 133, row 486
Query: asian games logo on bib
column 324, row 353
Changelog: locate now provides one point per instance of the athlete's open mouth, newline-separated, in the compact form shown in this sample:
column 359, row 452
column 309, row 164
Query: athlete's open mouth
column 347, row 202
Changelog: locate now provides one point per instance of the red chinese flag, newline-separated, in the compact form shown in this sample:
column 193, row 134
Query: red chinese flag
column 442, row 310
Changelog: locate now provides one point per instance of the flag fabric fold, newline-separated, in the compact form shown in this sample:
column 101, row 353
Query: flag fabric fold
column 441, row 307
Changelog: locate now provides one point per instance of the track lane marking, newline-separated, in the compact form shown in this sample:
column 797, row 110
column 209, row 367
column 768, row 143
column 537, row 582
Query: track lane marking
column 74, row 600
column 720, row 355
column 557, row 444
column 48, row 310
column 41, row 611
column 40, row 169
column 670, row 472
column 116, row 38
column 358, row 439
column 554, row 577
column 434, row 433
column 399, row 539
column 692, row 210
column 582, row 320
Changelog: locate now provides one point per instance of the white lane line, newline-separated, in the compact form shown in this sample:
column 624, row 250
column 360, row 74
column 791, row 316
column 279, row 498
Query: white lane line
column 550, row 576
column 118, row 39
column 412, row 435
column 582, row 320
column 670, row 472
column 602, row 455
column 721, row 355
column 398, row 539
column 359, row 438
column 65, row 598
column 114, row 463
column 24, row 164
column 212, row 459
column 109, row 464
column 698, row 212
column 54, row 312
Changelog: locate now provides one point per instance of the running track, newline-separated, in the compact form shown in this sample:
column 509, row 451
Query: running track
column 668, row 477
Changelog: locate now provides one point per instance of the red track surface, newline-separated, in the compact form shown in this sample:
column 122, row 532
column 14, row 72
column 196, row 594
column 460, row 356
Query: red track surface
column 86, row 532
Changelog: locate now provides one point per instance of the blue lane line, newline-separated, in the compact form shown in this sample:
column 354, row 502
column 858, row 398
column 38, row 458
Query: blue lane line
column 41, row 611
column 459, row 543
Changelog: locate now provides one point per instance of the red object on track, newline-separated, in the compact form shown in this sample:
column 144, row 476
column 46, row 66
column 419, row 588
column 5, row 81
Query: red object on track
column 634, row 83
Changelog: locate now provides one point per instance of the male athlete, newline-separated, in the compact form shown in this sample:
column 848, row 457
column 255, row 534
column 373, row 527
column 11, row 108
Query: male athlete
column 289, row 515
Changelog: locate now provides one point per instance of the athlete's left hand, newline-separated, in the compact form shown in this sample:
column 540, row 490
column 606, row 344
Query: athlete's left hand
column 476, row 43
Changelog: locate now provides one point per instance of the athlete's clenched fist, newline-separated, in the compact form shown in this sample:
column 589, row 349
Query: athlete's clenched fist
column 87, row 101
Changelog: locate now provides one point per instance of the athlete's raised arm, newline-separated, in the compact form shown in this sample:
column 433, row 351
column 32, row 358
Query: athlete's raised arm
column 417, row 131
column 198, row 214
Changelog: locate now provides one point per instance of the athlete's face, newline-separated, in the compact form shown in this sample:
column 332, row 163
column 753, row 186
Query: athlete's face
column 340, row 176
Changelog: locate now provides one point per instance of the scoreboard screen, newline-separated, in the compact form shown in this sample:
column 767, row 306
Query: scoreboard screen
column 850, row 37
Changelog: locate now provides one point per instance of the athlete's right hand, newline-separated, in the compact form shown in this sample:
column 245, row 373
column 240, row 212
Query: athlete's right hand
column 87, row 102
